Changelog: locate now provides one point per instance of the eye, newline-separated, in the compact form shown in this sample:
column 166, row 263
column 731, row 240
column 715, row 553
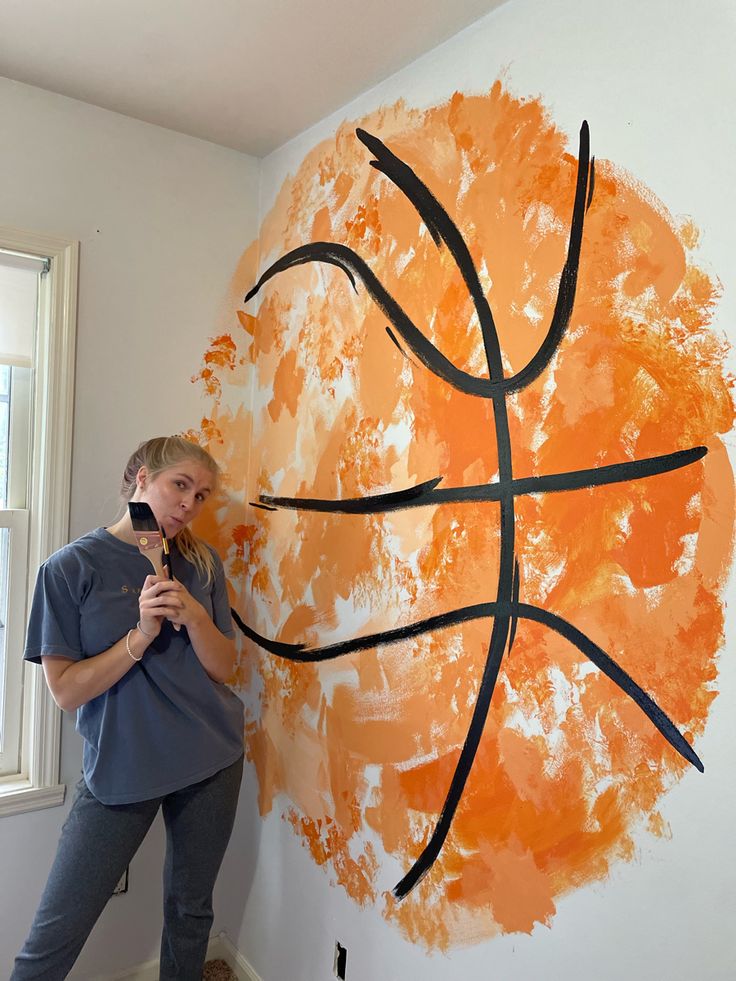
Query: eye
column 201, row 497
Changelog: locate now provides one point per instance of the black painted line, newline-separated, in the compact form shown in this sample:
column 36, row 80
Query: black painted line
column 393, row 338
column 425, row 494
column 568, row 279
column 354, row 267
column 481, row 611
column 311, row 655
column 618, row 676
column 515, row 604
column 442, row 229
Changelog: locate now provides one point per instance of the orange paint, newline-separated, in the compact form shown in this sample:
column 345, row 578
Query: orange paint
column 363, row 748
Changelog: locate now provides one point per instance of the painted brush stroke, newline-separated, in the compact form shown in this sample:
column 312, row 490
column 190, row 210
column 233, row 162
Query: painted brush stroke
column 358, row 753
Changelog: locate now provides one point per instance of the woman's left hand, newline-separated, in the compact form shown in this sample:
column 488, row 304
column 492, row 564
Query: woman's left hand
column 191, row 611
column 215, row 651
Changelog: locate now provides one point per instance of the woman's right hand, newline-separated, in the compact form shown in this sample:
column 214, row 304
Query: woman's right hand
column 158, row 601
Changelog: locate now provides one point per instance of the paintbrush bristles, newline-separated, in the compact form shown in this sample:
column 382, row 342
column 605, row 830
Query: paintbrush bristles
column 146, row 530
column 141, row 516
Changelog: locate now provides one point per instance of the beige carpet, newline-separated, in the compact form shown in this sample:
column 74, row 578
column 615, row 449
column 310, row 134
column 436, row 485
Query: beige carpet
column 217, row 971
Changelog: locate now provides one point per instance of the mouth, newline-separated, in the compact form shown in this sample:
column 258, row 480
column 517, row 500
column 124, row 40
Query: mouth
column 171, row 525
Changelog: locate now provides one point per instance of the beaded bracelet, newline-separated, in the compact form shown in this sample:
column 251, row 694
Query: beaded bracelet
column 127, row 645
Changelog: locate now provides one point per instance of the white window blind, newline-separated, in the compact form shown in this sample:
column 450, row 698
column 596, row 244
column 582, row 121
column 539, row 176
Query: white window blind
column 18, row 307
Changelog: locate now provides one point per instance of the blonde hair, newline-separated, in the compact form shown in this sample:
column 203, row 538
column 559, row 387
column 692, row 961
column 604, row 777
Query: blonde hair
column 159, row 454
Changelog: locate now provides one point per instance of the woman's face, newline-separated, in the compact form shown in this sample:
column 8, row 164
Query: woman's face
column 175, row 495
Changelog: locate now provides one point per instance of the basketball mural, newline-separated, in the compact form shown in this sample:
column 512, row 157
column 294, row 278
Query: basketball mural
column 477, row 513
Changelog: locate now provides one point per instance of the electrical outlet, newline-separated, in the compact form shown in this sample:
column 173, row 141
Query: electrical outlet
column 341, row 961
column 122, row 886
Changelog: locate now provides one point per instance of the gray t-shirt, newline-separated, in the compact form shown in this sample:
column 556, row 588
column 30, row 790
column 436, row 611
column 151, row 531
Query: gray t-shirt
column 166, row 724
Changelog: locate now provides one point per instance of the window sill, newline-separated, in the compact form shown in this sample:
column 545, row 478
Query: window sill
column 20, row 796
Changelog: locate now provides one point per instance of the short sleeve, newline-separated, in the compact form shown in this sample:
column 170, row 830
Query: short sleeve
column 221, row 615
column 53, row 627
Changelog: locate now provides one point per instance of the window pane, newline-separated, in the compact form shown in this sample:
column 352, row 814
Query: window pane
column 19, row 291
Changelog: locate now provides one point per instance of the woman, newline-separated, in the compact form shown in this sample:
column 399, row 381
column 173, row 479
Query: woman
column 160, row 728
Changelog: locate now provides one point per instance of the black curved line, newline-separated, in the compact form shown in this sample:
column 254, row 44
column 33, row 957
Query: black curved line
column 288, row 651
column 515, row 605
column 618, row 676
column 613, row 473
column 568, row 279
column 311, row 655
column 425, row 494
column 373, row 504
column 393, row 338
column 442, row 229
column 468, row 752
column 479, row 611
column 353, row 266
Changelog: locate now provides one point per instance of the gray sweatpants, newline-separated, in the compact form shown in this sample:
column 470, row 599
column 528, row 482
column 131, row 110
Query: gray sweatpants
column 97, row 843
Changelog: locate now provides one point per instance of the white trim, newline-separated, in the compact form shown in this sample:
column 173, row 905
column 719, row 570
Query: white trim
column 19, row 796
column 52, row 448
column 220, row 946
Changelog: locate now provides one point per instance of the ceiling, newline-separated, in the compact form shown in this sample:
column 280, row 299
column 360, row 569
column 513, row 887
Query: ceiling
column 247, row 74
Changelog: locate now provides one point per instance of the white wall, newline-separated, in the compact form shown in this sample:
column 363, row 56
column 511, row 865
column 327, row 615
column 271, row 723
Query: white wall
column 162, row 220
column 655, row 80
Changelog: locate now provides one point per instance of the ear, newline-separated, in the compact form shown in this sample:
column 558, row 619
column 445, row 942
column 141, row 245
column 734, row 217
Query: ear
column 141, row 478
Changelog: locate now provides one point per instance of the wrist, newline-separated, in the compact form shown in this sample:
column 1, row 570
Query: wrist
column 136, row 644
column 198, row 618
column 150, row 634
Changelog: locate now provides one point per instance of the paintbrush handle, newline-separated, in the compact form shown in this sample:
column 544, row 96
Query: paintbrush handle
column 155, row 557
column 161, row 562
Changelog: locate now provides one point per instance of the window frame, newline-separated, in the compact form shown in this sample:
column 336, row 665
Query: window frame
column 37, row 784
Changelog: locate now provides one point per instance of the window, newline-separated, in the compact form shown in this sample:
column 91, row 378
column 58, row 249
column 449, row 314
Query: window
column 38, row 281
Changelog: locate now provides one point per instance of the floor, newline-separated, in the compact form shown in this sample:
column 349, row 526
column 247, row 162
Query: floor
column 217, row 971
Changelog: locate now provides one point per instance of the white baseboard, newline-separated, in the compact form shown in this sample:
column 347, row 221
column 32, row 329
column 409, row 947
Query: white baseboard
column 219, row 946
column 141, row 972
column 222, row 946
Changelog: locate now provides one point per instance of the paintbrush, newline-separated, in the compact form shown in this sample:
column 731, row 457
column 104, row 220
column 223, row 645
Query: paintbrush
column 148, row 535
column 151, row 540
